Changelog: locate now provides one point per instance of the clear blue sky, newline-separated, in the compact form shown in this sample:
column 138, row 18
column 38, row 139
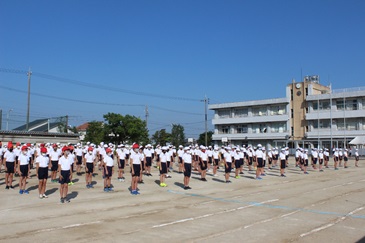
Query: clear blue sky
column 227, row 50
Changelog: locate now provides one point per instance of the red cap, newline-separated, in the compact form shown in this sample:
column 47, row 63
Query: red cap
column 24, row 148
column 71, row 147
column 54, row 145
column 41, row 145
column 90, row 149
column 28, row 144
column 43, row 150
column 10, row 144
column 17, row 144
column 65, row 148
column 108, row 150
column 135, row 146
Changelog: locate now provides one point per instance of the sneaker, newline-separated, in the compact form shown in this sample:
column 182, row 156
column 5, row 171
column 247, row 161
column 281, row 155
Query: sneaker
column 215, row 175
column 88, row 186
column 188, row 187
column 45, row 196
column 306, row 173
column 7, row 187
column 237, row 177
column 69, row 184
column 21, row 191
column 228, row 181
column 263, row 174
column 62, row 200
column 26, row 192
column 241, row 173
column 106, row 189
column 167, row 176
column 120, row 179
column 11, row 187
column 40, row 196
column 282, row 175
column 137, row 193
column 91, row 186
column 336, row 168
column 320, row 170
column 141, row 182
column 258, row 178
column 134, row 192
column 185, row 188
column 203, row 179
column 67, row 200
column 110, row 189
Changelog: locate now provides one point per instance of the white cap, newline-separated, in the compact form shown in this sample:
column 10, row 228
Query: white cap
column 148, row 145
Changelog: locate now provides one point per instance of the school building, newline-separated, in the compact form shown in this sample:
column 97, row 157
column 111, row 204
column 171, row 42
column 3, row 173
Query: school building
column 310, row 114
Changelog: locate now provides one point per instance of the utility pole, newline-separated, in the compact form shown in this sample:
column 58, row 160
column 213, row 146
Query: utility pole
column 206, row 101
column 146, row 116
column 28, row 108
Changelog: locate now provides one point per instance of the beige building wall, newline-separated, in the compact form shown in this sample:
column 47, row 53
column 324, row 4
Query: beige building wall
column 298, row 105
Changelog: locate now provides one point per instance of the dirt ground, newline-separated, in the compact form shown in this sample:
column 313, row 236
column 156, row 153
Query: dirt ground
column 318, row 207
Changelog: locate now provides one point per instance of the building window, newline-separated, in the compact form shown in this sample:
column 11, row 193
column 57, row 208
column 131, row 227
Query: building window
column 351, row 105
column 292, row 131
column 243, row 112
column 277, row 110
column 291, row 94
column 351, row 125
column 323, row 105
column 224, row 113
column 259, row 128
column 292, row 113
column 278, row 127
column 323, row 124
column 339, row 104
column 224, row 130
column 242, row 129
column 306, row 91
column 259, row 111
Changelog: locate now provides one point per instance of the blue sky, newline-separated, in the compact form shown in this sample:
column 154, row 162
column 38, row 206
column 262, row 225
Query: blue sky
column 227, row 50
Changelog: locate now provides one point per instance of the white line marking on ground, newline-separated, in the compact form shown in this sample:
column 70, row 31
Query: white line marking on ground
column 67, row 227
column 212, row 214
column 332, row 224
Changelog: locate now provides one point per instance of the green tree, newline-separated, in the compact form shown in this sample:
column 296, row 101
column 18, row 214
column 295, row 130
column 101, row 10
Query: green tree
column 177, row 135
column 119, row 128
column 95, row 132
column 201, row 139
column 161, row 137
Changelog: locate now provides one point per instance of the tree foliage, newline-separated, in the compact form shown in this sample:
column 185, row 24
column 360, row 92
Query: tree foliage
column 95, row 132
column 177, row 135
column 117, row 128
column 161, row 137
column 201, row 139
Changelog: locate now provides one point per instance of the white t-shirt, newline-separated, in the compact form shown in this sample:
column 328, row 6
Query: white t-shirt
column 136, row 158
column 148, row 152
column 42, row 161
column 204, row 155
column 9, row 156
column 89, row 158
column 108, row 161
column 180, row 153
column 228, row 157
column 163, row 157
column 65, row 163
column 186, row 158
column 23, row 159
column 54, row 155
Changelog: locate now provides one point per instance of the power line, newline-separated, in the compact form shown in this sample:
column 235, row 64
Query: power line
column 97, row 86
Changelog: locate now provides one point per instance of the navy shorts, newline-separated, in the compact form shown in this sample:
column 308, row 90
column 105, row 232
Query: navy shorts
column 216, row 161
column 42, row 173
column 108, row 169
column 137, row 170
column 187, row 171
column 237, row 164
column 121, row 164
column 163, row 168
column 260, row 163
column 282, row 164
column 90, row 168
column 203, row 165
column 65, row 177
column 148, row 161
column 24, row 169
column 10, row 167
column 228, row 168
column 54, row 165
column 79, row 160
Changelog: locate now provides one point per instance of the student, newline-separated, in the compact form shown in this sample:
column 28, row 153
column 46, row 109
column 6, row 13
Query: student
column 282, row 162
column 186, row 163
column 9, row 158
column 215, row 160
column 121, row 155
column 23, row 169
column 326, row 156
column 142, row 159
column 305, row 160
column 148, row 152
column 336, row 158
column 321, row 159
column 89, row 163
column 42, row 162
column 180, row 153
column 314, row 158
column 163, row 166
column 227, row 159
column 357, row 157
column 108, row 165
column 54, row 156
column 65, row 173
column 203, row 159
column 237, row 162
column 78, row 152
column 135, row 164
column 270, row 157
column 260, row 162
column 345, row 158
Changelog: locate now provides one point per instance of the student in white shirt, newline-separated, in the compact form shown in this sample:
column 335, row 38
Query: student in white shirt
column 148, row 152
column 42, row 163
column 227, row 159
column 186, row 163
column 180, row 153
column 89, row 163
column 282, row 162
column 108, row 165
column 121, row 157
column 23, row 169
column 65, row 173
column 163, row 166
column 357, row 157
column 54, row 156
column 9, row 158
column 203, row 158
column 135, row 164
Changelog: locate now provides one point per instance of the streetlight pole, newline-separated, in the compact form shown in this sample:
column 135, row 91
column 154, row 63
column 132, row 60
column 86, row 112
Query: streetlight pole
column 7, row 119
column 28, row 105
